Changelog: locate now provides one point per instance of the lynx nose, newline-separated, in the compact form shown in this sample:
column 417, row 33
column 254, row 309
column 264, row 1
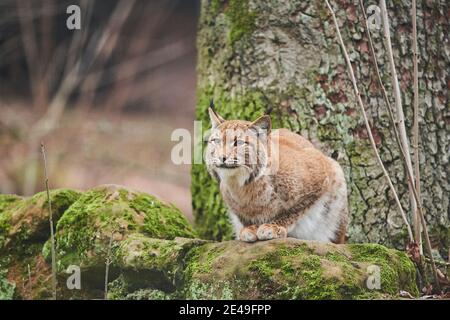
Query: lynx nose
column 223, row 158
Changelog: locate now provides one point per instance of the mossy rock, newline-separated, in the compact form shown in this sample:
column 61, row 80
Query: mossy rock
column 26, row 220
column 153, row 254
column 277, row 269
column 85, row 224
column 24, row 228
column 295, row 269
column 111, row 213
column 151, row 267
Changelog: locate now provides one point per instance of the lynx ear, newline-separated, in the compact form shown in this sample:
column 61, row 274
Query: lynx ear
column 216, row 119
column 262, row 125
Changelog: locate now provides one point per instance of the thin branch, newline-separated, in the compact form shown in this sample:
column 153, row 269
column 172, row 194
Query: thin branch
column 366, row 122
column 108, row 262
column 415, row 203
column 441, row 263
column 30, row 287
column 416, row 122
column 52, row 236
column 397, row 98
column 383, row 90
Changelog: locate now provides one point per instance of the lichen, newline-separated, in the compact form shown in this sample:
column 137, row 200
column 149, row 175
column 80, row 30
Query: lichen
column 122, row 289
column 221, row 290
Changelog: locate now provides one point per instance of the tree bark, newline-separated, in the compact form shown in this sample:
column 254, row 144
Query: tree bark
column 283, row 58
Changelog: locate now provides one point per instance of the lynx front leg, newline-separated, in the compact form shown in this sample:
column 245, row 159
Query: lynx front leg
column 269, row 231
column 248, row 234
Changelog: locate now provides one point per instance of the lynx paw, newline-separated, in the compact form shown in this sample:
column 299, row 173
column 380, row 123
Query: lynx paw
column 248, row 234
column 269, row 231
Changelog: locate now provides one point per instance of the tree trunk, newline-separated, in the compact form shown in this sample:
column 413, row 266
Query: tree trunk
column 283, row 58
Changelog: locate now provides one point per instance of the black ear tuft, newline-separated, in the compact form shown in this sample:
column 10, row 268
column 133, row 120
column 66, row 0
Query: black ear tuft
column 215, row 118
column 262, row 125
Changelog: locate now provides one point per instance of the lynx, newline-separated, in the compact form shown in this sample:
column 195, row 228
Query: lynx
column 275, row 183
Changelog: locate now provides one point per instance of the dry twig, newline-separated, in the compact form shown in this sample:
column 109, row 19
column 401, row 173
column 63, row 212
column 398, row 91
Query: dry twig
column 415, row 143
column 108, row 262
column 52, row 236
column 414, row 196
column 366, row 122
column 29, row 279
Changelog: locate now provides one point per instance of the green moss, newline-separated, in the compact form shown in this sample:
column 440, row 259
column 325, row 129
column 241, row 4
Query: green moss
column 24, row 228
column 26, row 222
column 6, row 288
column 7, row 200
column 6, row 203
column 139, row 252
column 294, row 273
column 158, row 214
column 291, row 270
column 315, row 286
column 397, row 271
column 202, row 259
column 242, row 20
column 84, row 230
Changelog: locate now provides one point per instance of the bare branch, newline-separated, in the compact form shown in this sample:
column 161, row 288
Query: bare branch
column 384, row 93
column 30, row 286
column 414, row 196
column 366, row 122
column 416, row 123
column 52, row 236
column 397, row 97
column 108, row 262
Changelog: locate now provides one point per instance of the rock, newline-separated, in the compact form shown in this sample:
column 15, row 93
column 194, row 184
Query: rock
column 85, row 229
column 153, row 254
column 27, row 220
column 24, row 227
column 277, row 269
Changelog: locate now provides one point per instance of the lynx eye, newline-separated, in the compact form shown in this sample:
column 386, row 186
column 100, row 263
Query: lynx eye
column 239, row 143
column 215, row 140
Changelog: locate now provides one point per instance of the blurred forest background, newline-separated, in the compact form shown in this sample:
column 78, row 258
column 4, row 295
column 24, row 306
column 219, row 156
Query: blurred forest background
column 104, row 99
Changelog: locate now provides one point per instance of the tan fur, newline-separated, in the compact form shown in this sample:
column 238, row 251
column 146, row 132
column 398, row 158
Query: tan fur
column 289, row 189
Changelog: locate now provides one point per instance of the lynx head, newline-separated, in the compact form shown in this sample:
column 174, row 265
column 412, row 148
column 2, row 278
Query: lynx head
column 237, row 149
